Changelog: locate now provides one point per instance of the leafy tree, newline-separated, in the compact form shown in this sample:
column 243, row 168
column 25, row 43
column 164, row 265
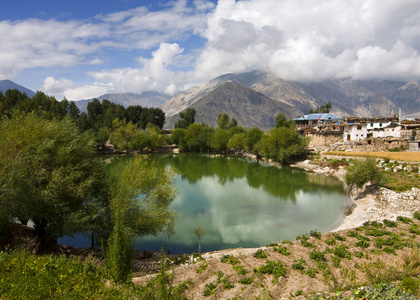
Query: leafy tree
column 48, row 175
column 170, row 231
column 253, row 139
column 282, row 121
column 122, row 134
column 223, row 121
column 73, row 111
column 186, row 118
column 142, row 195
column 220, row 139
column 322, row 109
column 198, row 137
column 199, row 231
column 361, row 172
column 283, row 144
column 237, row 142
column 95, row 113
column 178, row 137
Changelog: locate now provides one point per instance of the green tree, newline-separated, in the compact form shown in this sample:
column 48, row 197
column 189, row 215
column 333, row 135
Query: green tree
column 178, row 137
column 253, row 138
column 282, row 121
column 220, row 139
column 223, row 121
column 122, row 134
column 198, row 137
column 283, row 144
column 199, row 231
column 48, row 175
column 170, row 231
column 361, row 172
column 237, row 142
column 186, row 118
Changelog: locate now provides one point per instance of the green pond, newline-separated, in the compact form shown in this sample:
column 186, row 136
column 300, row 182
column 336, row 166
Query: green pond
column 242, row 203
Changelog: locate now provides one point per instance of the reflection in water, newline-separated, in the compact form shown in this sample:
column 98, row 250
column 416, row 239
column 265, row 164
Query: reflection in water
column 242, row 203
column 245, row 204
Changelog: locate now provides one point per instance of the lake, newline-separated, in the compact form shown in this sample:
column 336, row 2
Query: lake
column 240, row 203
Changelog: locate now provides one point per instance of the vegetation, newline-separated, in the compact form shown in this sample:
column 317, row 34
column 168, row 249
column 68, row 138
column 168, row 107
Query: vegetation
column 199, row 232
column 321, row 109
column 361, row 172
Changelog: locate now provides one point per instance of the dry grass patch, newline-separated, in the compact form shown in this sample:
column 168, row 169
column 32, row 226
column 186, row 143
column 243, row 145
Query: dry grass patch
column 400, row 156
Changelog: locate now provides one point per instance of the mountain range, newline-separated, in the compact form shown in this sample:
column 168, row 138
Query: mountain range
column 255, row 98
column 10, row 85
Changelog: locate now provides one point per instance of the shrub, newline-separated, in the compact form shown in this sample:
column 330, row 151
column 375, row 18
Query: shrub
column 417, row 215
column 315, row 233
column 260, row 254
column 282, row 250
column 209, row 289
column 362, row 172
column 389, row 223
column 317, row 255
column 405, row 220
column 229, row 259
column 272, row 267
column 342, row 252
column 247, row 280
column 202, row 268
column 362, row 244
column 339, row 237
column 241, row 270
column 311, row 272
column 330, row 241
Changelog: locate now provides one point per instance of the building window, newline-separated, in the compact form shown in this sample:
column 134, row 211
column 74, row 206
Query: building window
column 380, row 124
column 359, row 127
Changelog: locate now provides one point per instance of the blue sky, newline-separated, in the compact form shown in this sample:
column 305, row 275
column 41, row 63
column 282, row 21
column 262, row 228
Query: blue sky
column 83, row 49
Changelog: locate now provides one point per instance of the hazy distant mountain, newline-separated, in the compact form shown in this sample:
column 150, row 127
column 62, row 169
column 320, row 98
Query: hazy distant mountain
column 146, row 99
column 10, row 85
column 349, row 97
column 248, row 107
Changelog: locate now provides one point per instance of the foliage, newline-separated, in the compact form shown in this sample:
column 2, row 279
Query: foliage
column 282, row 250
column 321, row 109
column 26, row 276
column 361, row 172
column 272, row 267
column 283, row 144
column 202, row 268
column 229, row 259
column 185, row 118
column 198, row 137
column 220, row 139
column 281, row 121
column 315, row 233
column 342, row 252
column 241, row 270
column 237, row 142
column 317, row 255
column 209, row 289
column 247, row 280
column 48, row 175
column 260, row 254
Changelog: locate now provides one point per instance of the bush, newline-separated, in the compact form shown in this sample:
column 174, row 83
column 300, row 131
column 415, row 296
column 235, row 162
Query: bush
column 282, row 250
column 209, row 289
column 315, row 233
column 317, row 255
column 260, row 254
column 361, row 172
column 229, row 259
column 272, row 267
column 417, row 215
column 247, row 280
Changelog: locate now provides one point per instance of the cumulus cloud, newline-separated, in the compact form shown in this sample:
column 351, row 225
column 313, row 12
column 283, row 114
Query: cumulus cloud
column 53, row 86
column 195, row 40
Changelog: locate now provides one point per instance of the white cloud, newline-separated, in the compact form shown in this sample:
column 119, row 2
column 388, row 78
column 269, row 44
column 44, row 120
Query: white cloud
column 87, row 91
column 52, row 86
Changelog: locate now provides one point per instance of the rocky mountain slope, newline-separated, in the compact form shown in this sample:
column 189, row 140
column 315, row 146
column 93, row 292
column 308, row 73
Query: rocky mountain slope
column 248, row 107
column 349, row 97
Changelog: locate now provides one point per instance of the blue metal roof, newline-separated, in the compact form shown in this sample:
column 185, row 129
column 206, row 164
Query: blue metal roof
column 316, row 117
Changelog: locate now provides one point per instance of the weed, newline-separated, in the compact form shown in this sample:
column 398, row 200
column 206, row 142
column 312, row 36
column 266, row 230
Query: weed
column 336, row 261
column 330, row 241
column 311, row 272
column 229, row 259
column 317, row 255
column 362, row 244
column 410, row 284
column 414, row 228
column 241, row 270
column 342, row 252
column 389, row 223
column 376, row 232
column 389, row 250
column 282, row 250
column 417, row 215
column 202, row 268
column 382, row 291
column 272, row 267
column 298, row 264
column 260, row 254
column 227, row 285
column 315, row 233
column 405, row 220
column 209, row 289
column 359, row 254
column 247, row 280
column 339, row 237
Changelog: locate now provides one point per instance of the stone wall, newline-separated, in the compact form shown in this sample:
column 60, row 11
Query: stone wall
column 324, row 139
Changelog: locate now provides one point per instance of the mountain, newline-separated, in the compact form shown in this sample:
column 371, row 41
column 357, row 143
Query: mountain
column 364, row 98
column 10, row 85
column 146, row 99
column 248, row 107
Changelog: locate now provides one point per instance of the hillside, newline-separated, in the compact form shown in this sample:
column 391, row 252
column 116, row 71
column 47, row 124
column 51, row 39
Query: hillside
column 146, row 99
column 349, row 97
column 248, row 107
column 10, row 85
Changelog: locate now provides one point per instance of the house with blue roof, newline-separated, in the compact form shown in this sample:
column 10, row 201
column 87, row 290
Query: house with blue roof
column 311, row 120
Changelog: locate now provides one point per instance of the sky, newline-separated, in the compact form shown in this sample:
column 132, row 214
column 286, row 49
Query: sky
column 83, row 49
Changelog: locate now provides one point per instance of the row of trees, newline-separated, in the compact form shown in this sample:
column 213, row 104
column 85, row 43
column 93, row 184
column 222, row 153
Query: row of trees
column 99, row 114
column 282, row 143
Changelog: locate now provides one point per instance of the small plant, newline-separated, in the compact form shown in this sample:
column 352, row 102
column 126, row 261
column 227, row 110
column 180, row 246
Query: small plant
column 362, row 244
column 330, row 241
column 282, row 250
column 359, row 254
column 229, row 259
column 247, row 280
column 417, row 215
column 299, row 264
column 315, row 233
column 311, row 272
column 272, row 267
column 342, row 252
column 227, row 285
column 298, row 293
column 390, row 223
column 340, row 238
column 202, row 268
column 241, row 270
column 414, row 228
column 317, row 255
column 405, row 220
column 336, row 261
column 389, row 250
column 381, row 291
column 209, row 289
column 260, row 254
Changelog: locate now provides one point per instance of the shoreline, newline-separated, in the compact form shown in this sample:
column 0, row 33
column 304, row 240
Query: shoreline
column 369, row 203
